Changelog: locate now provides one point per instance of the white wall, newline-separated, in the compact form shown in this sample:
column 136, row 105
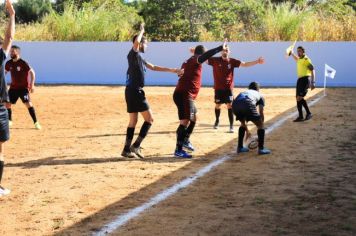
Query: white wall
column 106, row 63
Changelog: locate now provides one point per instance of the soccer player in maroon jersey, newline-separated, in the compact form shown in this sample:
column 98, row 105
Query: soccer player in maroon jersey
column 5, row 46
column 223, row 70
column 20, row 86
column 186, row 92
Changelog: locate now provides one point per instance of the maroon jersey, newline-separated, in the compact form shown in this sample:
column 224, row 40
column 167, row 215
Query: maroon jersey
column 19, row 73
column 223, row 70
column 190, row 81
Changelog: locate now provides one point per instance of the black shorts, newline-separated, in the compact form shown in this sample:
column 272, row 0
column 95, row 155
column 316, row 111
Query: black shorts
column 15, row 94
column 4, row 124
column 136, row 100
column 244, row 109
column 223, row 96
column 302, row 86
column 186, row 106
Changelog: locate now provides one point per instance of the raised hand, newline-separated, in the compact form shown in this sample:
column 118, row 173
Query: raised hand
column 9, row 7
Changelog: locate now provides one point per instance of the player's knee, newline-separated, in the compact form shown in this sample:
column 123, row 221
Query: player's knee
column 8, row 105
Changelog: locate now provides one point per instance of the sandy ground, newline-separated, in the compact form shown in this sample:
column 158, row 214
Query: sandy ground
column 69, row 178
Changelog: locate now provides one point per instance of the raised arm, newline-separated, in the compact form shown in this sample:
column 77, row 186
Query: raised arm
column 10, row 30
column 260, row 60
column 32, row 80
column 202, row 58
column 164, row 69
column 294, row 56
column 136, row 44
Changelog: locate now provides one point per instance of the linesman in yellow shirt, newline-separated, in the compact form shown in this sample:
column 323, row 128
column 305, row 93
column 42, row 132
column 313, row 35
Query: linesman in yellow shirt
column 306, row 80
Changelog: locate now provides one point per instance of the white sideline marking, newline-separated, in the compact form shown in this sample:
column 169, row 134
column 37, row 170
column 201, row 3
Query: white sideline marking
column 124, row 218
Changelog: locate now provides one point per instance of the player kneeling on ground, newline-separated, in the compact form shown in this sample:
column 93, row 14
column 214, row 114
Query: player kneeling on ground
column 245, row 109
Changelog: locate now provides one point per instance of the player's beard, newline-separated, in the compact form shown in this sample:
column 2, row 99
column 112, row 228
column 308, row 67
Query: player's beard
column 13, row 56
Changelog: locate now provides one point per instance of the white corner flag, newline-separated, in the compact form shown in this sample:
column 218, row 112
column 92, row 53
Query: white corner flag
column 329, row 72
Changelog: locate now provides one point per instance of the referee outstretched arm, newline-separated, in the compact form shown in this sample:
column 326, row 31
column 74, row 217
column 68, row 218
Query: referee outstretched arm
column 10, row 30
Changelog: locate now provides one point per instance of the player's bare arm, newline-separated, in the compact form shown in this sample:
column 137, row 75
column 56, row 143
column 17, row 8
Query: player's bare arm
column 260, row 60
column 260, row 110
column 164, row 69
column 10, row 30
column 295, row 56
column 32, row 80
column 312, row 77
column 136, row 45
column 204, row 57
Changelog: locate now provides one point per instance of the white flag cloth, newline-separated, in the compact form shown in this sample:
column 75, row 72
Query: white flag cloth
column 329, row 72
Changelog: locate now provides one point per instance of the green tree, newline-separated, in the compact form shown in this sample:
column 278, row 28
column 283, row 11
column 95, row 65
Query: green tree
column 32, row 10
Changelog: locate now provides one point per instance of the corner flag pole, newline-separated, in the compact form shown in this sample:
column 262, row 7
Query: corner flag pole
column 324, row 84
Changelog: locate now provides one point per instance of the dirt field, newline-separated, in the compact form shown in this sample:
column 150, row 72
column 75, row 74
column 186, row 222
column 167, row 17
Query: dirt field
column 69, row 178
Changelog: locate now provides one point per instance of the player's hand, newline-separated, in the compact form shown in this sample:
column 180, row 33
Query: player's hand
column 179, row 72
column 225, row 44
column 261, row 60
column 10, row 7
column 192, row 50
column 142, row 27
column 312, row 85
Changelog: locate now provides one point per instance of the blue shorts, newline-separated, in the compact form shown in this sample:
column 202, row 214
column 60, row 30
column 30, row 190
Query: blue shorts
column 4, row 124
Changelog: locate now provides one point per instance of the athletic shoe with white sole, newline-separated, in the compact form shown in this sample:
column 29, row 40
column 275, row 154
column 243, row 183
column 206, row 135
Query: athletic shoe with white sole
column 188, row 145
column 137, row 151
column 242, row 149
column 4, row 191
column 38, row 125
column 231, row 130
column 264, row 151
column 10, row 123
column 128, row 154
column 182, row 154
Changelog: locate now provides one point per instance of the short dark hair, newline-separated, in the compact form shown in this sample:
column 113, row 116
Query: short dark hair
column 135, row 37
column 199, row 50
column 254, row 86
column 15, row 47
column 301, row 48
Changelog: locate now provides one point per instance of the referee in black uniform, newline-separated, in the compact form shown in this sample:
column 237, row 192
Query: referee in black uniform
column 135, row 96
column 5, row 46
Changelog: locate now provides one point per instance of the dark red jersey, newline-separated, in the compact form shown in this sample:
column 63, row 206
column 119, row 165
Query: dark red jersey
column 19, row 73
column 190, row 81
column 223, row 70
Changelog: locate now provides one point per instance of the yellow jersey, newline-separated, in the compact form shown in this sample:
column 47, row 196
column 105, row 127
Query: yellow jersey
column 303, row 65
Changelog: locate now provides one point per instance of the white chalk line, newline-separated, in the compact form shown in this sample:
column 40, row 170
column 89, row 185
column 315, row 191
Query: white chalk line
column 124, row 218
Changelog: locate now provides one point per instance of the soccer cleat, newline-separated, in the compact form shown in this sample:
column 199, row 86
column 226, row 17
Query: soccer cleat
column 308, row 116
column 216, row 125
column 128, row 154
column 264, row 151
column 137, row 151
column 188, row 145
column 182, row 154
column 242, row 149
column 4, row 191
column 299, row 119
column 231, row 130
column 38, row 126
column 10, row 123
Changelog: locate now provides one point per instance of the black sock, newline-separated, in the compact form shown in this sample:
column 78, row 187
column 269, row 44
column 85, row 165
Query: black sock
column 1, row 169
column 300, row 106
column 261, row 138
column 217, row 115
column 242, row 131
column 189, row 130
column 143, row 133
column 9, row 111
column 231, row 116
column 32, row 112
column 129, row 136
column 305, row 105
column 181, row 133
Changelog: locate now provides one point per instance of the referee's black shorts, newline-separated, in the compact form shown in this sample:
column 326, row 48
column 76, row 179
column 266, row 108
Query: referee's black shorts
column 136, row 100
column 302, row 86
